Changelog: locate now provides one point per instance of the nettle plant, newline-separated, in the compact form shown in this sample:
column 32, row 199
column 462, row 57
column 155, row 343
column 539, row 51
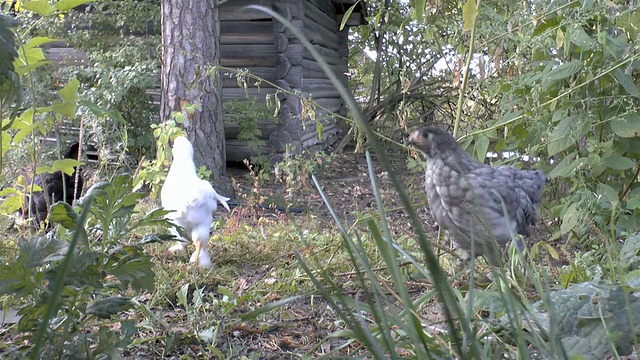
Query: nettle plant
column 577, row 107
column 73, row 281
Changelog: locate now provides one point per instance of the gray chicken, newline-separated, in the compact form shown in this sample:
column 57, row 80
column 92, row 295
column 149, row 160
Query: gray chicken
column 479, row 205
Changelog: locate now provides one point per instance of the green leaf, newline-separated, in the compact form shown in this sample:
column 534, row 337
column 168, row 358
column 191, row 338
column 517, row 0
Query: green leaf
column 98, row 111
column 469, row 14
column 581, row 38
column 633, row 203
column 70, row 91
column 11, row 204
column 480, row 147
column 41, row 250
column 16, row 280
column 347, row 14
column 64, row 5
column 559, row 38
column 132, row 268
column 24, row 131
column 570, row 219
column 183, row 295
column 562, row 136
column 37, row 41
column 545, row 25
column 106, row 307
column 63, row 214
column 608, row 193
column 64, row 165
column 626, row 82
column 418, row 10
column 39, row 7
column 565, row 70
column 619, row 162
column 566, row 166
column 627, row 126
column 84, row 272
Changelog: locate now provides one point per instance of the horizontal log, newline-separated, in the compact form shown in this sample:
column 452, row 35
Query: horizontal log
column 312, row 138
column 320, row 17
column 329, row 55
column 322, row 93
column 235, row 10
column 322, row 5
column 289, row 9
column 311, row 69
column 238, row 150
column 267, row 73
column 319, row 88
column 247, row 50
column 246, row 62
column 253, row 93
column 232, row 82
column 246, row 27
column 318, row 34
column 333, row 105
column 232, row 127
column 253, row 38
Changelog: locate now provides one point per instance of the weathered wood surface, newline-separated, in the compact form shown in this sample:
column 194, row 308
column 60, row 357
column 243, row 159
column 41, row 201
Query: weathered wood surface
column 242, row 62
column 234, row 55
column 232, row 129
column 251, row 39
column 318, row 34
column 235, row 10
column 246, row 32
column 266, row 73
column 319, row 88
column 239, row 94
column 238, row 150
column 330, row 104
column 330, row 56
column 311, row 137
column 312, row 70
column 324, row 5
column 321, row 18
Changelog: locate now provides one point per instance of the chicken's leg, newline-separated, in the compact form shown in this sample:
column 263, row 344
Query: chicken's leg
column 201, row 256
column 198, row 245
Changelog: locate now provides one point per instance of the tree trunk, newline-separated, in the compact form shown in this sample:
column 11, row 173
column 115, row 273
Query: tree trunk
column 191, row 47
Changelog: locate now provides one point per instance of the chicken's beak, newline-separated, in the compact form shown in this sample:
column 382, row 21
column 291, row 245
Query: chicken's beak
column 416, row 139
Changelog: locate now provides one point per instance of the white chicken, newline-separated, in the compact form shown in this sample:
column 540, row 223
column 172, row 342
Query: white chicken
column 192, row 202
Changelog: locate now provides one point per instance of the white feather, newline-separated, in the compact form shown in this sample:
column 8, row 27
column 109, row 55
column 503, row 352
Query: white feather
column 191, row 199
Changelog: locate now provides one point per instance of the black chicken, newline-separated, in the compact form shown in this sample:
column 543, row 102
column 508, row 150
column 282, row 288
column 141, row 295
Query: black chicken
column 57, row 185
column 477, row 204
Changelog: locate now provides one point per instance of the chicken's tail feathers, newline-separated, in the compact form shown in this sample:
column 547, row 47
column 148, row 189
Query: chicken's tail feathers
column 223, row 200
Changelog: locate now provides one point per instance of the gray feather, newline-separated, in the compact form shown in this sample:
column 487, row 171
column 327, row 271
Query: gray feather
column 478, row 204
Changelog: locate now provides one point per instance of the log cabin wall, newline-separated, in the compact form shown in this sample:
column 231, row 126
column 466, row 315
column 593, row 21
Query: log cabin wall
column 295, row 70
column 246, row 42
column 252, row 40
